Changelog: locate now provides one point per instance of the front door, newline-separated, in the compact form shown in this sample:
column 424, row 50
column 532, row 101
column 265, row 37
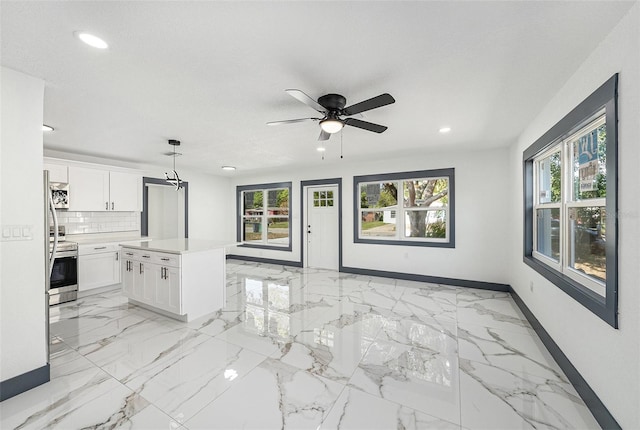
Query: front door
column 322, row 227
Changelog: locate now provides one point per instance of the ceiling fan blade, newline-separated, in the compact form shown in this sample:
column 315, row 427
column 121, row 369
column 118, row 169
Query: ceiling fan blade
column 375, row 102
column 300, row 96
column 377, row 128
column 291, row 121
column 324, row 135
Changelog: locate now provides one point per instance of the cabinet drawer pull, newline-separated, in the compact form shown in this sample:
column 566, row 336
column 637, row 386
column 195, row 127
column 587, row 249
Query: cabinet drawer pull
column 129, row 253
column 164, row 259
column 146, row 256
column 101, row 247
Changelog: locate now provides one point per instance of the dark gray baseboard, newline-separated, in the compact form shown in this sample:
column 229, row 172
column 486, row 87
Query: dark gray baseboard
column 21, row 383
column 264, row 260
column 430, row 279
column 590, row 398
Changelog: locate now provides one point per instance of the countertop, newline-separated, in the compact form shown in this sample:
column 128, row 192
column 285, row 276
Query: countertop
column 179, row 246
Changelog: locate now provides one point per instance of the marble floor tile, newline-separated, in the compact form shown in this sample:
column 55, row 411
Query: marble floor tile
column 492, row 397
column 355, row 410
column 507, row 349
column 215, row 323
column 301, row 348
column 183, row 387
column 273, row 396
column 437, row 335
column 417, row 378
column 263, row 332
column 435, row 301
column 490, row 309
column 329, row 352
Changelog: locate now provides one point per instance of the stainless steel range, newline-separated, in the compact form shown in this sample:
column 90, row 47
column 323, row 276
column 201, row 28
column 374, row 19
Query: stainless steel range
column 63, row 282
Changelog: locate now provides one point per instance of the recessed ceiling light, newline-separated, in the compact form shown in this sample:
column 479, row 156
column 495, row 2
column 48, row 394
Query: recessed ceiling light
column 228, row 168
column 91, row 40
column 46, row 127
column 445, row 130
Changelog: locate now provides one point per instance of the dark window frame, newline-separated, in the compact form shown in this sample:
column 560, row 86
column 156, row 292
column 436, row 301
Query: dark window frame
column 239, row 213
column 449, row 173
column 605, row 97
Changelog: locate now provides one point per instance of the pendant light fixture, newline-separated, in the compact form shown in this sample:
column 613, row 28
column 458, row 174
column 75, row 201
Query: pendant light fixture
column 175, row 180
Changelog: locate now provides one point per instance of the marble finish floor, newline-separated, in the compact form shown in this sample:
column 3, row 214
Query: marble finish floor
column 302, row 349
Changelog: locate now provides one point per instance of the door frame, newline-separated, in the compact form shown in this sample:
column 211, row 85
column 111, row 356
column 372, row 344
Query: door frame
column 144, row 215
column 304, row 215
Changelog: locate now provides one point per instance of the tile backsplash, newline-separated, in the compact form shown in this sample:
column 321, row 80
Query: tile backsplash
column 98, row 222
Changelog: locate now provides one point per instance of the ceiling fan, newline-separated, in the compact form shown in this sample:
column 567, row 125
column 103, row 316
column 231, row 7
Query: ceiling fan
column 331, row 106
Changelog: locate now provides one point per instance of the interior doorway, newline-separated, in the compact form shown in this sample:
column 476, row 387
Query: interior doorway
column 165, row 210
column 322, row 224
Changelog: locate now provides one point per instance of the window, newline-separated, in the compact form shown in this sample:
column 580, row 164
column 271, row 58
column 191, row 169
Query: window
column 264, row 215
column 410, row 208
column 322, row 198
column 570, row 188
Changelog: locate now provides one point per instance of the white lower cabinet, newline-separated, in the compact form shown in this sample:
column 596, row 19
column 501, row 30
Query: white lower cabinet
column 98, row 266
column 168, row 289
column 148, row 281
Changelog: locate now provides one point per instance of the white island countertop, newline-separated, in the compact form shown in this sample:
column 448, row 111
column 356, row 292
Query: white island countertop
column 179, row 246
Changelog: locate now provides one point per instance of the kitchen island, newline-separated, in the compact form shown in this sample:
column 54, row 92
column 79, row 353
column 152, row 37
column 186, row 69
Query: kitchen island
column 180, row 278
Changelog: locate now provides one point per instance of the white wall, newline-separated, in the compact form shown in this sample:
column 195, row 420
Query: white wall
column 608, row 359
column 22, row 275
column 480, row 193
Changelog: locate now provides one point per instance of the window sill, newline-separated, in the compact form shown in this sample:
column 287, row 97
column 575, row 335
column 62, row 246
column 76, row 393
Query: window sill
column 583, row 295
column 406, row 243
column 271, row 247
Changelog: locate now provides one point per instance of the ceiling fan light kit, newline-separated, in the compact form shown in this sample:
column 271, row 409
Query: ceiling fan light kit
column 332, row 107
column 331, row 125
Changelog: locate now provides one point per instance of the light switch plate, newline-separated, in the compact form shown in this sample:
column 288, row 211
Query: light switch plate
column 17, row 232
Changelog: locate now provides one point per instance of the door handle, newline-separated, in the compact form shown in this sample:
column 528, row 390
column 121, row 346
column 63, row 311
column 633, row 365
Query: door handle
column 309, row 228
column 106, row 206
column 112, row 206
column 141, row 265
column 117, row 256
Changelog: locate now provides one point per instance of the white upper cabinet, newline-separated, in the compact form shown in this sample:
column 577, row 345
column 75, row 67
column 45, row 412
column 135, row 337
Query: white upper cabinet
column 57, row 172
column 94, row 189
column 88, row 189
column 125, row 190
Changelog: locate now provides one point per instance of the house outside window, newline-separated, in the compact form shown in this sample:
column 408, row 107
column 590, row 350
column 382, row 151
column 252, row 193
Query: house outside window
column 571, row 204
column 408, row 208
column 264, row 215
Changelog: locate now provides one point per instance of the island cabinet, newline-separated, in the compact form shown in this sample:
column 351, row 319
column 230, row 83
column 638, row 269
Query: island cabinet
column 180, row 278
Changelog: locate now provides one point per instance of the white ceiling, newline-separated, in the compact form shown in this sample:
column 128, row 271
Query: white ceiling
column 211, row 74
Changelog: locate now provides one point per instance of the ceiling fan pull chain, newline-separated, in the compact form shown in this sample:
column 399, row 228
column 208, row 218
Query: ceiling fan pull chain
column 341, row 133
